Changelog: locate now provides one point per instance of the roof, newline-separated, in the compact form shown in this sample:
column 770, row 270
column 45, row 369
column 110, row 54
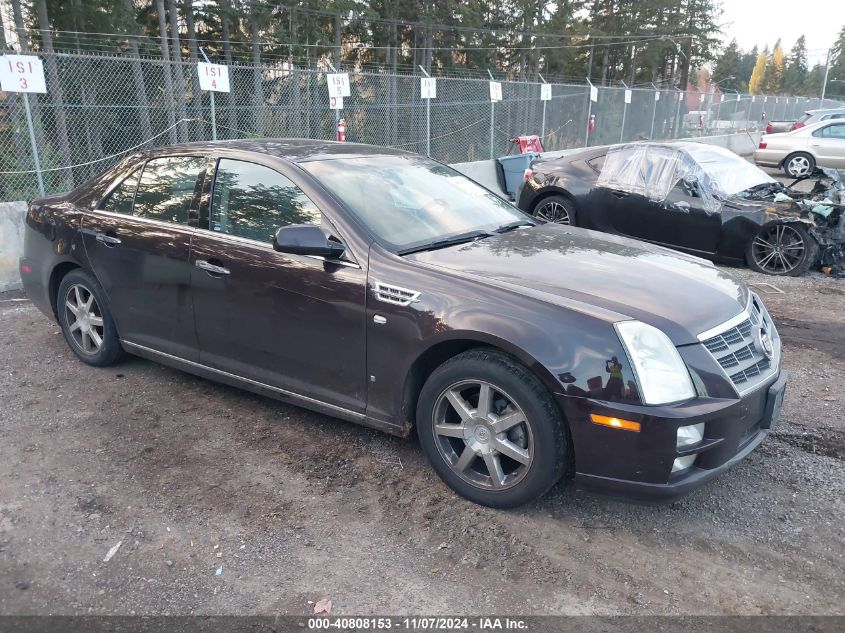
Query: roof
column 292, row 149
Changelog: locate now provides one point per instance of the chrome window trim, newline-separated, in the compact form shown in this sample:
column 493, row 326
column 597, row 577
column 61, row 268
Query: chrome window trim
column 161, row 223
column 220, row 372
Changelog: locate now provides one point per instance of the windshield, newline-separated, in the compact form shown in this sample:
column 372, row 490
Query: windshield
column 729, row 174
column 411, row 201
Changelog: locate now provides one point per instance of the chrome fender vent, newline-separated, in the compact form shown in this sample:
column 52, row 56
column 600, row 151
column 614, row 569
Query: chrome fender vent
column 395, row 295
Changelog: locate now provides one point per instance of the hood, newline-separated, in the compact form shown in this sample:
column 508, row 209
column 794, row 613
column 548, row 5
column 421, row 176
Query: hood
column 680, row 294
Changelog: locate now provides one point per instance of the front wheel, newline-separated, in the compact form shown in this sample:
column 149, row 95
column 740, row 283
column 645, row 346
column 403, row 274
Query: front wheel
column 557, row 209
column 491, row 430
column 785, row 249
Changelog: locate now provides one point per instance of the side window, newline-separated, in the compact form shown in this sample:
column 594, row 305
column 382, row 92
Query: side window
column 837, row 130
column 167, row 188
column 120, row 198
column 253, row 201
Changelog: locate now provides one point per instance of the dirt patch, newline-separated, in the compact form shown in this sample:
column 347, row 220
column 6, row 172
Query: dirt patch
column 192, row 477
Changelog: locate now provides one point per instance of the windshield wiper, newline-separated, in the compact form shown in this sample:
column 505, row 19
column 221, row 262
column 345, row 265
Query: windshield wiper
column 461, row 238
column 510, row 226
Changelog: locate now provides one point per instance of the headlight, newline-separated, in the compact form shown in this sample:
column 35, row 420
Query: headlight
column 659, row 369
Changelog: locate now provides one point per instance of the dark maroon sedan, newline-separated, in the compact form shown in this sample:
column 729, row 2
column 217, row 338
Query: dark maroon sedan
column 387, row 289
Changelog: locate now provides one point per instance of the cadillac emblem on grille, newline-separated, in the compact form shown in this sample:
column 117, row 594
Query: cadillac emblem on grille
column 764, row 341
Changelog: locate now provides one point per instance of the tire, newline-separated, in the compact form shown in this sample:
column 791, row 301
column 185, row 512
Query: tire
column 79, row 291
column 556, row 209
column 799, row 164
column 533, row 438
column 797, row 252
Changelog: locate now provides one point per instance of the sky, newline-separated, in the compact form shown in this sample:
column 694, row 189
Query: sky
column 758, row 22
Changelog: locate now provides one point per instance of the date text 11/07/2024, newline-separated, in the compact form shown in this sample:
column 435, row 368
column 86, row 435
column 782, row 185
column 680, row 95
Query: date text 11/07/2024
column 418, row 623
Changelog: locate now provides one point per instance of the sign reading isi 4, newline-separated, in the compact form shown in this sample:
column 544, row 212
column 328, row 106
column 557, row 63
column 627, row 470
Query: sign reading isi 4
column 22, row 73
column 213, row 77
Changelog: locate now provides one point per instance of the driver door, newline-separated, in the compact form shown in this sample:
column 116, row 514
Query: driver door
column 292, row 322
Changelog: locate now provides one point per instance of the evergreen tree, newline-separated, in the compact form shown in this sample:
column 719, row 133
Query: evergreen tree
column 796, row 67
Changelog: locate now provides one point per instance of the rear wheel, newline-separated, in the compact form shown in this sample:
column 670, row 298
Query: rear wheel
column 491, row 430
column 800, row 164
column 557, row 209
column 85, row 319
column 785, row 249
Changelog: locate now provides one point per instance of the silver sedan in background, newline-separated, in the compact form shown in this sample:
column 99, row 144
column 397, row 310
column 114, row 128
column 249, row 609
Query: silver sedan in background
column 799, row 152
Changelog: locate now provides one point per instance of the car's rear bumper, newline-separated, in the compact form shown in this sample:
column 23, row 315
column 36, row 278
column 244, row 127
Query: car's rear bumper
column 639, row 465
column 768, row 158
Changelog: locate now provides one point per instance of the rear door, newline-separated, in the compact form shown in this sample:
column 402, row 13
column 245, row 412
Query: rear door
column 138, row 240
column 292, row 322
column 828, row 144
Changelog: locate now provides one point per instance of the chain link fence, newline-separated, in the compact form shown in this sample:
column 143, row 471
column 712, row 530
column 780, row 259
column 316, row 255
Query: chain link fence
column 99, row 108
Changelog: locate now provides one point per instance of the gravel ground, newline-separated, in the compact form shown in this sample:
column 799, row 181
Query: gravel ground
column 191, row 477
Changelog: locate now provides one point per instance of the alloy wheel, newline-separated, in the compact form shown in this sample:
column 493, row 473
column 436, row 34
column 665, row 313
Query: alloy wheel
column 554, row 211
column 779, row 249
column 799, row 166
column 483, row 434
column 84, row 319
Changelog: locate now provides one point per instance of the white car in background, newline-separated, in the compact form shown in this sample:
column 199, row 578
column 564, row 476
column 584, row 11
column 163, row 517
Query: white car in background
column 799, row 152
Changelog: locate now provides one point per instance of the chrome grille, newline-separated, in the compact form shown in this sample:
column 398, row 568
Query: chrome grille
column 738, row 349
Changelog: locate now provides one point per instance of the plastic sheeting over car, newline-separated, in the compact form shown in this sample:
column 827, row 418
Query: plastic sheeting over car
column 654, row 170
column 729, row 174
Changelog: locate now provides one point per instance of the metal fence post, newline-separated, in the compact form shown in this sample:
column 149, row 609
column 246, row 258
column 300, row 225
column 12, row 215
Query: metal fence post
column 492, row 118
column 211, row 96
column 624, row 112
column 677, row 126
column 427, row 119
column 653, row 111
column 35, row 157
column 543, row 125
column 589, row 111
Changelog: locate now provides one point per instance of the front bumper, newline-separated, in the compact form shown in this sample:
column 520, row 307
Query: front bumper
column 638, row 465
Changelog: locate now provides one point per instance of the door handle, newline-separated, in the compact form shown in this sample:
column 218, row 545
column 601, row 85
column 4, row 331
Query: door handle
column 211, row 268
column 108, row 240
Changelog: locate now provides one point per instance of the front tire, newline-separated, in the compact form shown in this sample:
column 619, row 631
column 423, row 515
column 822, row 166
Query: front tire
column 556, row 209
column 86, row 321
column 800, row 164
column 785, row 249
column 491, row 430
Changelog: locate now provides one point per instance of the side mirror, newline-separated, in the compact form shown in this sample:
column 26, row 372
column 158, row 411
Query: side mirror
column 306, row 239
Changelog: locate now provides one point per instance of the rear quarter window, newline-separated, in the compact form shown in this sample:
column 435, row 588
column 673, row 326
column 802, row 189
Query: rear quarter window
column 120, row 199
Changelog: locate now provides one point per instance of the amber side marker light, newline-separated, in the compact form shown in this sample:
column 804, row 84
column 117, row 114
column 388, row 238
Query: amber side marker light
column 615, row 423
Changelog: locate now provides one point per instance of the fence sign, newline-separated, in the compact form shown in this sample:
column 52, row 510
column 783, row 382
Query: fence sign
column 495, row 91
column 335, row 103
column 738, row 98
column 428, row 87
column 545, row 92
column 338, row 85
column 213, row 77
column 594, row 94
column 628, row 95
column 680, row 96
column 657, row 95
column 22, row 73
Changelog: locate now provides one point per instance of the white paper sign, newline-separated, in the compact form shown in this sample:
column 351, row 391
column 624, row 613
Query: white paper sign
column 22, row 73
column 338, row 85
column 336, row 103
column 428, row 88
column 628, row 95
column 680, row 96
column 594, row 94
column 495, row 91
column 657, row 96
column 722, row 97
column 753, row 98
column 545, row 92
column 213, row 77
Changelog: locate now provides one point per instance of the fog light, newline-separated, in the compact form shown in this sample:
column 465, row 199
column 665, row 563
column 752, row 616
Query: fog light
column 682, row 463
column 690, row 435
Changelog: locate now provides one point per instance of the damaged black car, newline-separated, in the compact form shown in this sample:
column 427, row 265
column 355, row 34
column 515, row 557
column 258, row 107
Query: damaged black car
column 697, row 198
